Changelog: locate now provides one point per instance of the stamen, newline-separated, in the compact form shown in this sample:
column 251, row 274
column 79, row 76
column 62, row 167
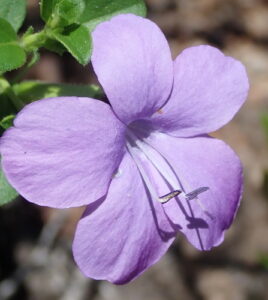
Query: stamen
column 166, row 171
column 169, row 196
column 194, row 194
column 157, row 160
column 189, row 196
column 142, row 172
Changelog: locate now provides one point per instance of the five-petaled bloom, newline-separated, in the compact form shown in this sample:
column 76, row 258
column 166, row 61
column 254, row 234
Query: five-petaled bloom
column 142, row 165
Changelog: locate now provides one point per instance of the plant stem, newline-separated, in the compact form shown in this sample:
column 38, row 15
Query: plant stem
column 34, row 41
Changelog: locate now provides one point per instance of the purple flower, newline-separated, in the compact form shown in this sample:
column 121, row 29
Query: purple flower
column 145, row 165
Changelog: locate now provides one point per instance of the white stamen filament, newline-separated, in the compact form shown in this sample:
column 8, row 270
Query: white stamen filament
column 159, row 162
column 142, row 172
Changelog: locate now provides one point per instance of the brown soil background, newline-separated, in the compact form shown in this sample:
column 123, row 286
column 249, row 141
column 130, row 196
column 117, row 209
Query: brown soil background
column 35, row 243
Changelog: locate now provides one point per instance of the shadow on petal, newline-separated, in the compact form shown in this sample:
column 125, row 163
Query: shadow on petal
column 195, row 223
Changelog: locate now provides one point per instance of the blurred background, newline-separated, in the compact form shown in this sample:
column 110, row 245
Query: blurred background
column 35, row 243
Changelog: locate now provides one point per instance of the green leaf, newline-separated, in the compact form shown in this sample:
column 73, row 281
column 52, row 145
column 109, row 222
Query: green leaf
column 77, row 40
column 7, row 193
column 68, row 11
column 6, row 106
column 264, row 121
column 54, row 46
column 87, row 12
column 29, row 91
column 7, row 121
column 12, row 56
column 71, row 21
column 13, row 11
column 59, row 13
column 46, row 8
column 7, row 33
column 97, row 11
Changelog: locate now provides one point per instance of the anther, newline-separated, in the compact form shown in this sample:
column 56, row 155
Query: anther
column 194, row 194
column 169, row 196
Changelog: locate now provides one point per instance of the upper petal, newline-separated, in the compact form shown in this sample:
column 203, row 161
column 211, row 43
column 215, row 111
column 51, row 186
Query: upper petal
column 201, row 162
column 118, row 239
column 62, row 152
column 209, row 88
column 132, row 60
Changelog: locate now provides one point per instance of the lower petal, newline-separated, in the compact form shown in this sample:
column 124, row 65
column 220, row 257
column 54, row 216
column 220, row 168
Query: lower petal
column 122, row 235
column 201, row 162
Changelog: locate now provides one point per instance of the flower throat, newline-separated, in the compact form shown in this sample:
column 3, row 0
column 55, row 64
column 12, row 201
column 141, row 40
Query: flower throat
column 136, row 147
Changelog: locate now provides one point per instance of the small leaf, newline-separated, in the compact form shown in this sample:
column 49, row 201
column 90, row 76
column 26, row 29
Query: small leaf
column 29, row 91
column 77, row 40
column 68, row 11
column 46, row 8
column 7, row 33
column 12, row 56
column 7, row 193
column 59, row 13
column 13, row 11
column 7, row 121
column 54, row 46
column 97, row 11
column 28, row 32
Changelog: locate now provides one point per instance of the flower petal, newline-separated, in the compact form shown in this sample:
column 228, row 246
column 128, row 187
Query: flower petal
column 62, row 152
column 118, row 239
column 209, row 88
column 132, row 60
column 201, row 162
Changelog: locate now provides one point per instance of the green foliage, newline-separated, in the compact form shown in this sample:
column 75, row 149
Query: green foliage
column 97, row 11
column 7, row 193
column 77, row 40
column 29, row 91
column 68, row 27
column 7, row 121
column 6, row 105
column 7, row 33
column 46, row 9
column 263, row 260
column 13, row 11
column 264, row 121
column 54, row 46
column 12, row 56
column 89, row 12
column 68, row 12
column 59, row 13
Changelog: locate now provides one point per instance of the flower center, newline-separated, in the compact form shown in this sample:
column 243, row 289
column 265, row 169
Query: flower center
column 139, row 148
